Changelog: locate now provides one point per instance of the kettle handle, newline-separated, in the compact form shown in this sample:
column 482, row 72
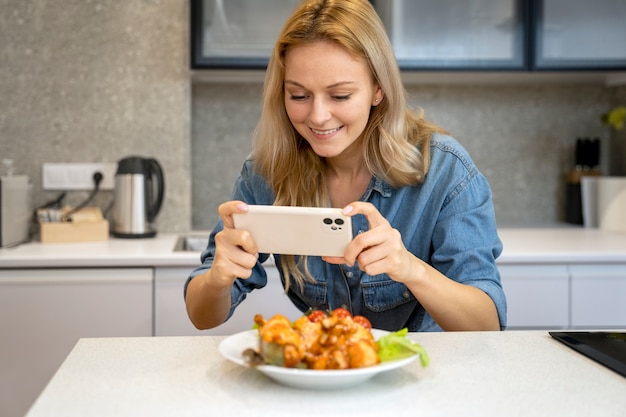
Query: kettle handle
column 155, row 171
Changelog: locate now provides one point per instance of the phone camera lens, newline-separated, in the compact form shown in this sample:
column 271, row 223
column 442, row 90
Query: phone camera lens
column 328, row 221
column 339, row 221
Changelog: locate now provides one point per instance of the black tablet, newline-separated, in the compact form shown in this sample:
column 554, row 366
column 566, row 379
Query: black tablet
column 607, row 348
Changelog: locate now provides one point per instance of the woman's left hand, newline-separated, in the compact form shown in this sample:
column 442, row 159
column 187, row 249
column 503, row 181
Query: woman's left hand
column 378, row 250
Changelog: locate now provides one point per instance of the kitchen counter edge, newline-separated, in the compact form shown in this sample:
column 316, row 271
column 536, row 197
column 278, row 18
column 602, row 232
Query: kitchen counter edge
column 571, row 245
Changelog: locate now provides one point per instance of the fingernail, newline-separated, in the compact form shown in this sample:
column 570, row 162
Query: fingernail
column 348, row 209
column 242, row 207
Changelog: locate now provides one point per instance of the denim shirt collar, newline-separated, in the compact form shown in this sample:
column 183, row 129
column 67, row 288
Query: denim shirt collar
column 379, row 185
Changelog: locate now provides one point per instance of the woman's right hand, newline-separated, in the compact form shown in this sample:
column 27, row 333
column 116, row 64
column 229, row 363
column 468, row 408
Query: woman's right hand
column 208, row 295
column 236, row 253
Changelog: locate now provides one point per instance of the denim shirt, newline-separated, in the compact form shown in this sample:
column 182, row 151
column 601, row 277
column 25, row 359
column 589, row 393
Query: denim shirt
column 447, row 221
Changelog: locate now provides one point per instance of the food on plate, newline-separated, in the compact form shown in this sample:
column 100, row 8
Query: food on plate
column 321, row 340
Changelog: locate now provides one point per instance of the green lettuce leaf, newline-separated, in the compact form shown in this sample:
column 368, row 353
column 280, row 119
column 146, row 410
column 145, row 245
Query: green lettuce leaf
column 396, row 345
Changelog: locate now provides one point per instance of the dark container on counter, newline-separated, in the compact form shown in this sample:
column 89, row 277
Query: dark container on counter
column 573, row 203
column 587, row 163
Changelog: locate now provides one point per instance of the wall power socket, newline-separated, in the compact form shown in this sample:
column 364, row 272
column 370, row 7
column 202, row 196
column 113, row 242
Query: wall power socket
column 77, row 176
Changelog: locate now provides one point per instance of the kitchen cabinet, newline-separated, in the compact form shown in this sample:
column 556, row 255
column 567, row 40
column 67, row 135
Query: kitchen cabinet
column 537, row 295
column 434, row 35
column 236, row 33
column 566, row 296
column 170, row 315
column 450, row 34
column 579, row 34
column 598, row 296
column 43, row 313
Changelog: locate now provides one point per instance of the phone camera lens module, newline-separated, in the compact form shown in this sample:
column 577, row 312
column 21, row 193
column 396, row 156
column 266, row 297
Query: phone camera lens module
column 339, row 221
column 328, row 221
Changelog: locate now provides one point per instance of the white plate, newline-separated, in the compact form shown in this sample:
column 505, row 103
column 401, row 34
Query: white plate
column 233, row 346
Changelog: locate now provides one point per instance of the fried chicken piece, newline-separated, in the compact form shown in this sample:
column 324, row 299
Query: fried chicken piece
column 292, row 355
column 278, row 330
column 338, row 358
column 310, row 334
column 362, row 354
column 280, row 343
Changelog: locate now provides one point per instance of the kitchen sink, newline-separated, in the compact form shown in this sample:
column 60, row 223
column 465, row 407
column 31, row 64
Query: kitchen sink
column 191, row 243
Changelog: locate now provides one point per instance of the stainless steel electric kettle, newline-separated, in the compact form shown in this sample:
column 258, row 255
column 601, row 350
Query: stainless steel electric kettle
column 138, row 196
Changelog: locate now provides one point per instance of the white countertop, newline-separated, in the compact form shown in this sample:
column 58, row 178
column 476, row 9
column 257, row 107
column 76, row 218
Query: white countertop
column 470, row 374
column 521, row 245
column 562, row 245
column 157, row 251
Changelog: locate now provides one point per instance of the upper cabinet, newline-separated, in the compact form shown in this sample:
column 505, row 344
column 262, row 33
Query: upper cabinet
column 236, row 33
column 579, row 34
column 434, row 35
column 452, row 34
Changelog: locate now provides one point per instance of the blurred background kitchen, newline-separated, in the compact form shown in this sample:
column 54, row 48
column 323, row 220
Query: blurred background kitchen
column 94, row 81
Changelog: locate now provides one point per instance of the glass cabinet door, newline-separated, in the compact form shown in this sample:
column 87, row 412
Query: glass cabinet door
column 236, row 33
column 580, row 34
column 453, row 34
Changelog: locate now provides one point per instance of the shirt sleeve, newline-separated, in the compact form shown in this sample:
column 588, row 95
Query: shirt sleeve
column 466, row 242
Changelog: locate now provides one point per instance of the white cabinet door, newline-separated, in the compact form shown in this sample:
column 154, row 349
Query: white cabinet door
column 171, row 317
column 598, row 296
column 537, row 295
column 43, row 313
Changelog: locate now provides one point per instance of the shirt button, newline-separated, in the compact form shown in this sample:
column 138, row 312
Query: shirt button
column 406, row 294
column 349, row 274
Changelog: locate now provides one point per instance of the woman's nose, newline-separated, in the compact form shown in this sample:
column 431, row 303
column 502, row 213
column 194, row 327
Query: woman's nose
column 320, row 112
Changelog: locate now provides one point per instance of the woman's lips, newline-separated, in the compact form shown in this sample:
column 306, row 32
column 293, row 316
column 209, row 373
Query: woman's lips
column 325, row 132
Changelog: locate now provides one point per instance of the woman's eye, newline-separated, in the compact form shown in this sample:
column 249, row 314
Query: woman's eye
column 303, row 97
column 296, row 97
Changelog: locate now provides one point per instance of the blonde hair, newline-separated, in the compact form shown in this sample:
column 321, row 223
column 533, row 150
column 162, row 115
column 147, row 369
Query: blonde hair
column 395, row 141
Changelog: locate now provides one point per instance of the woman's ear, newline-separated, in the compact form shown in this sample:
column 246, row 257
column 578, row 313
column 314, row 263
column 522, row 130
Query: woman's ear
column 378, row 96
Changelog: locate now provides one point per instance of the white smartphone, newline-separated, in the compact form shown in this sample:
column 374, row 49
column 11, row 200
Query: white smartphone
column 313, row 231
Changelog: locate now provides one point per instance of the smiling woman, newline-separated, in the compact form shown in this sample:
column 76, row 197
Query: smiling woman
column 336, row 131
column 330, row 112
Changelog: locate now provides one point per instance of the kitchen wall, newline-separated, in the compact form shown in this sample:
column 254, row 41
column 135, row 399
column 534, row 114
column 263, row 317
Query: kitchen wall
column 94, row 81
column 98, row 80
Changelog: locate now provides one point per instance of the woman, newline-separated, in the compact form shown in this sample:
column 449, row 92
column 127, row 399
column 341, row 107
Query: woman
column 336, row 131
